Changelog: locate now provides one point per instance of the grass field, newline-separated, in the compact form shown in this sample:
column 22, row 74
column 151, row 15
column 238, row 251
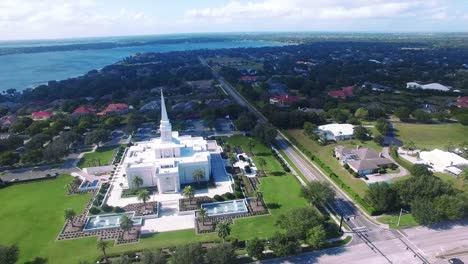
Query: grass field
column 407, row 220
column 432, row 136
column 32, row 216
column 98, row 158
column 325, row 154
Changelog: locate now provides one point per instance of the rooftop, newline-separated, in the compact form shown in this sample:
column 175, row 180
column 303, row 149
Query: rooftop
column 338, row 129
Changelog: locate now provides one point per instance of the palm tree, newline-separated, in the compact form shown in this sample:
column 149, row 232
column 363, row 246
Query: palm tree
column 137, row 181
column 189, row 192
column 198, row 175
column 70, row 215
column 259, row 196
column 203, row 213
column 103, row 245
column 223, row 229
column 126, row 223
column 143, row 196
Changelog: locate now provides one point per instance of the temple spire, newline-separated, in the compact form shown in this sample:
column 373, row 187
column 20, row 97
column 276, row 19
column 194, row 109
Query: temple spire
column 163, row 109
column 165, row 126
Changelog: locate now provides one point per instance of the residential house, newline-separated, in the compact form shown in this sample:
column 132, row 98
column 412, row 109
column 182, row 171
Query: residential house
column 430, row 108
column 204, row 86
column 377, row 87
column 248, row 78
column 7, row 121
column 363, row 161
column 283, row 100
column 151, row 106
column 462, row 102
column 217, row 102
column 335, row 132
column 84, row 110
column 41, row 115
column 344, row 93
column 276, row 88
column 188, row 106
column 119, row 109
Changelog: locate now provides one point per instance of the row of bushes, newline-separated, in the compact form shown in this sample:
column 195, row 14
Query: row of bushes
column 355, row 174
column 105, row 208
column 281, row 161
column 371, row 210
column 228, row 196
column 119, row 154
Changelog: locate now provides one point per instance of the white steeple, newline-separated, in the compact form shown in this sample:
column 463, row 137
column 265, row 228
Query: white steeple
column 165, row 126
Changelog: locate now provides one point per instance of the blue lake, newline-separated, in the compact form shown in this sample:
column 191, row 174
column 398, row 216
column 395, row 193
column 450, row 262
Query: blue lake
column 21, row 71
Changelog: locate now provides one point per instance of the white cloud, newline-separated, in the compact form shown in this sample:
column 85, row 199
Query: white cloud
column 313, row 10
column 65, row 18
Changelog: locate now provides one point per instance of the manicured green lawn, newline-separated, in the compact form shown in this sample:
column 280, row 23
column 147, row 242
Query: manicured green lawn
column 325, row 154
column 407, row 220
column 31, row 216
column 432, row 136
column 98, row 158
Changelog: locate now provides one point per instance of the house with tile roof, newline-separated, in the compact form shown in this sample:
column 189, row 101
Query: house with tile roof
column 363, row 161
column 41, row 115
column 345, row 93
column 119, row 109
column 84, row 110
column 462, row 102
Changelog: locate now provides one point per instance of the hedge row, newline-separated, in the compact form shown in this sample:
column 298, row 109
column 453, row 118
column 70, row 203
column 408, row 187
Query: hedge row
column 281, row 161
column 371, row 210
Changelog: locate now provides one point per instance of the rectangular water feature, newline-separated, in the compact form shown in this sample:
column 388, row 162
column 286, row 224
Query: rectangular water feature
column 98, row 222
column 225, row 208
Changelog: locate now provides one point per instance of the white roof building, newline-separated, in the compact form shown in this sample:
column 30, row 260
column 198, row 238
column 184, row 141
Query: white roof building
column 429, row 86
column 336, row 131
column 169, row 161
column 443, row 161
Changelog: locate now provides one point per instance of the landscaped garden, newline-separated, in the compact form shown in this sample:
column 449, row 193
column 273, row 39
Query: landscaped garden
column 101, row 157
column 33, row 215
column 432, row 136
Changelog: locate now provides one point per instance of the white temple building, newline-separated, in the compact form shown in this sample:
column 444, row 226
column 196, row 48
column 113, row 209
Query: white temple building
column 169, row 161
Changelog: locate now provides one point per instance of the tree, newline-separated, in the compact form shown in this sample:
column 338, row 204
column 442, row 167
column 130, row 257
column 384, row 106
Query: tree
column 9, row 158
column 103, row 245
column 410, row 145
column 318, row 193
column 284, row 245
column 450, row 207
column 70, row 215
column 203, row 213
column 126, row 223
column 418, row 170
column 97, row 136
column 144, row 196
column 261, row 163
column 188, row 254
column 153, row 257
column 223, row 229
column 426, row 187
column 222, row 254
column 383, row 197
column 9, row 254
column 189, row 192
column 245, row 122
column 422, row 116
column 382, row 126
column 198, row 175
column 425, row 212
column 361, row 113
column 379, row 139
column 360, row 133
column 255, row 248
column 299, row 220
column 32, row 156
column 316, row 236
column 266, row 133
column 137, row 181
column 464, row 175
column 309, row 128
column 402, row 113
column 258, row 196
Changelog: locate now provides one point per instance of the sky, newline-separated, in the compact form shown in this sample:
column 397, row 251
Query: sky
column 44, row 19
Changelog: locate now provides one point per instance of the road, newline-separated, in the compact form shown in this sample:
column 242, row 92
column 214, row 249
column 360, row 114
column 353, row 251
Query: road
column 371, row 243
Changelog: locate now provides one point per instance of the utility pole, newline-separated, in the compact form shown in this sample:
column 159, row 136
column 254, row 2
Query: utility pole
column 399, row 217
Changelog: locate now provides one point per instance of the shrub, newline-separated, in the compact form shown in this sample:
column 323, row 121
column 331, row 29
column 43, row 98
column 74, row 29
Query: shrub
column 118, row 209
column 94, row 210
column 106, row 208
column 229, row 196
column 96, row 202
column 346, row 166
column 238, row 194
column 218, row 198
column 355, row 174
column 99, row 196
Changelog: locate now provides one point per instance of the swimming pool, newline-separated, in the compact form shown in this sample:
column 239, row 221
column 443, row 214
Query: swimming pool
column 225, row 208
column 99, row 222
column 86, row 185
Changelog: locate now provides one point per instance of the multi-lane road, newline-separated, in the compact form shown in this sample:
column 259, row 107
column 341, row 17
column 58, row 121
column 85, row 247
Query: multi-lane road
column 371, row 242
